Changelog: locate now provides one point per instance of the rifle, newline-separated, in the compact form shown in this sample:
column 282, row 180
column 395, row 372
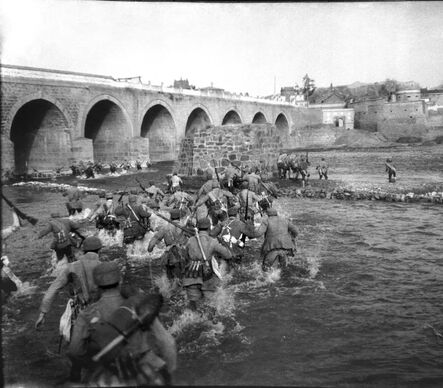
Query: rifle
column 243, row 237
column 141, row 186
column 122, row 194
column 216, row 172
column 214, row 263
column 176, row 225
column 22, row 215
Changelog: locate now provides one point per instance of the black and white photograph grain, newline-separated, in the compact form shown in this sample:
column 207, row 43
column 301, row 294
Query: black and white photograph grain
column 221, row 194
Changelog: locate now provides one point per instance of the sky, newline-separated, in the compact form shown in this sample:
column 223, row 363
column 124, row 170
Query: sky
column 241, row 47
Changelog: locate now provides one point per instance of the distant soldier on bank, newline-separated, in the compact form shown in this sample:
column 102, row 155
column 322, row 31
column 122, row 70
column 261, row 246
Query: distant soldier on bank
column 322, row 169
column 391, row 170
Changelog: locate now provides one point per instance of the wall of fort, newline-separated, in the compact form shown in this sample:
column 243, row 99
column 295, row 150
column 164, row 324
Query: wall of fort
column 396, row 120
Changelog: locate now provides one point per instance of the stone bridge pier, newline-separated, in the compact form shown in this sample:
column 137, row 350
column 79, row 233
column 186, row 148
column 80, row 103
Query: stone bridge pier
column 53, row 118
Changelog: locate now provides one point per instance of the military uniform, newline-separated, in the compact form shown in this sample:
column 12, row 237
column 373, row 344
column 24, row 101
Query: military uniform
column 232, row 232
column 136, row 223
column 251, row 198
column 278, row 242
column 391, row 170
column 216, row 201
column 74, row 203
column 82, row 270
column 199, row 280
column 152, row 350
column 253, row 181
column 322, row 169
column 176, row 183
column 61, row 230
column 174, row 239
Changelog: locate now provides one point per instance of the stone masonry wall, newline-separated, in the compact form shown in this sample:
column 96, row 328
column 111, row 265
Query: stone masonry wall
column 248, row 144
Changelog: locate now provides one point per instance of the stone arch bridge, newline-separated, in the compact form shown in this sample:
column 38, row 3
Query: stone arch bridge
column 52, row 118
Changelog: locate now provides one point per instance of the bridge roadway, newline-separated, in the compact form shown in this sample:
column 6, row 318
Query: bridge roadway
column 51, row 118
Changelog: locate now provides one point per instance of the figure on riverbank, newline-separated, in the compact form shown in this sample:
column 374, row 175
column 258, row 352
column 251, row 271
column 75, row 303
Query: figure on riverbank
column 61, row 230
column 391, row 170
column 322, row 169
column 176, row 183
column 74, row 194
column 199, row 281
column 147, row 353
column 279, row 239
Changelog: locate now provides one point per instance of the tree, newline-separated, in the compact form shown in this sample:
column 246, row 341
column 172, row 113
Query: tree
column 308, row 86
column 389, row 87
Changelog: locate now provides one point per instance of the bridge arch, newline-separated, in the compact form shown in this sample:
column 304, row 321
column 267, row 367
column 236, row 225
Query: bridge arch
column 259, row 118
column 159, row 126
column 282, row 124
column 199, row 118
column 40, row 133
column 232, row 117
column 108, row 125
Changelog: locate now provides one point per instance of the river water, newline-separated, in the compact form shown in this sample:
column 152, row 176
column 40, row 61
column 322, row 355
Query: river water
column 363, row 316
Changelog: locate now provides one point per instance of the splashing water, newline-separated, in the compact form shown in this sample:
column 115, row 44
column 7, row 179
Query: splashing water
column 85, row 213
column 109, row 239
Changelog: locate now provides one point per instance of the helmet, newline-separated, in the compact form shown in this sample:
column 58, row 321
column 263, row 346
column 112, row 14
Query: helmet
column 106, row 273
column 204, row 223
column 175, row 214
column 92, row 244
column 271, row 212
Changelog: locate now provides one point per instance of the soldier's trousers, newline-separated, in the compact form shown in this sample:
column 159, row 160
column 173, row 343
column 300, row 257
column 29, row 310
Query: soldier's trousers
column 279, row 256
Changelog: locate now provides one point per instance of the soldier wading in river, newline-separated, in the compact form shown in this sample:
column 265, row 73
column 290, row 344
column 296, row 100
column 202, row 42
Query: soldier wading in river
column 200, row 280
column 279, row 239
column 121, row 342
column 173, row 259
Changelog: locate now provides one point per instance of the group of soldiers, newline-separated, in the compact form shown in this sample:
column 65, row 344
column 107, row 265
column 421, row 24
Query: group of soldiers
column 89, row 169
column 298, row 165
column 117, row 337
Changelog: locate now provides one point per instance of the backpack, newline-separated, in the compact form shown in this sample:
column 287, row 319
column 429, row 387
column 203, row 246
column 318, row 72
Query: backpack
column 136, row 313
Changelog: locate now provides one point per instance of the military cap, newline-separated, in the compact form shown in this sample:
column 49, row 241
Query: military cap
column 109, row 196
column 175, row 214
column 232, row 211
column 204, row 223
column 271, row 212
column 92, row 244
column 106, row 273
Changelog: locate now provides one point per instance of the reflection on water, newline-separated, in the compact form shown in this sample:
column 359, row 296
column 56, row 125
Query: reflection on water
column 362, row 316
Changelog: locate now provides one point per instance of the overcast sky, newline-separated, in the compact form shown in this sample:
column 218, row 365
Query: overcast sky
column 238, row 47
